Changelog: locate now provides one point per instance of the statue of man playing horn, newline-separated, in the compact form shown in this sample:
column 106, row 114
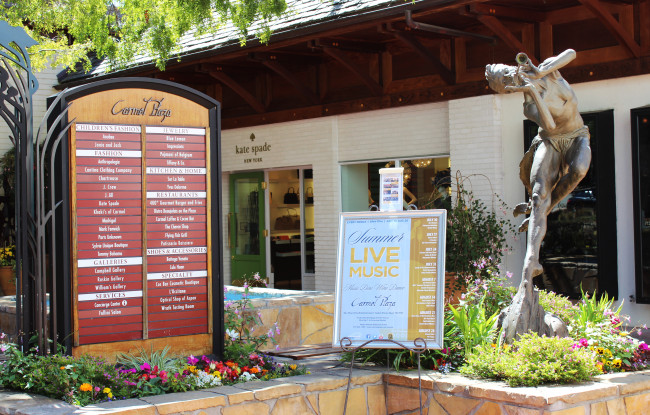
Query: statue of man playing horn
column 559, row 156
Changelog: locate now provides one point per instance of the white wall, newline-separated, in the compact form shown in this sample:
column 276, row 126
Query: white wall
column 298, row 143
column 47, row 79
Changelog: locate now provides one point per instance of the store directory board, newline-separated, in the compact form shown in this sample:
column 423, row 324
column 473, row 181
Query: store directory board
column 142, row 221
column 390, row 278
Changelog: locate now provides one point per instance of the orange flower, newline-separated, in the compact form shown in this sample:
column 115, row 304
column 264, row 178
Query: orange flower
column 254, row 370
column 86, row 387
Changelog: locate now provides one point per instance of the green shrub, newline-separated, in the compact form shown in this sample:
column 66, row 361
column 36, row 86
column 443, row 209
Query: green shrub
column 559, row 305
column 532, row 360
column 494, row 292
column 474, row 327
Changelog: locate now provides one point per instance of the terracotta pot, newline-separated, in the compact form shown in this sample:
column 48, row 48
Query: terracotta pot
column 452, row 293
column 8, row 280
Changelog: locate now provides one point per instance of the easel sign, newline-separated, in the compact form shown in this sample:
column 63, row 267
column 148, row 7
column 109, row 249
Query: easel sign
column 390, row 278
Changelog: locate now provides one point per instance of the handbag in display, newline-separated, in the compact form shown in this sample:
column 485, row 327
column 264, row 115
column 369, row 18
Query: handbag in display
column 309, row 195
column 290, row 221
column 291, row 197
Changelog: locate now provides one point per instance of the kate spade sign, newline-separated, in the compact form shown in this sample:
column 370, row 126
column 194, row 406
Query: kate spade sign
column 251, row 152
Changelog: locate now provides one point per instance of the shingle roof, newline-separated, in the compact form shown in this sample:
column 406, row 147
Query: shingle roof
column 301, row 14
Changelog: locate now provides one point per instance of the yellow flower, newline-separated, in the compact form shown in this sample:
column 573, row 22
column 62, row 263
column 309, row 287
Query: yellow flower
column 617, row 363
column 292, row 367
column 608, row 353
column 107, row 390
column 85, row 387
column 623, row 333
column 600, row 351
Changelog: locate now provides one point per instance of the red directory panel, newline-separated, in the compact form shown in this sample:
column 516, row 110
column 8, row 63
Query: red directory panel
column 110, row 170
column 109, row 232
column 176, row 200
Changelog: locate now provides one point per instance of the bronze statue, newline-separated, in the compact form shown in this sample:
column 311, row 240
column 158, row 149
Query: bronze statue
column 556, row 162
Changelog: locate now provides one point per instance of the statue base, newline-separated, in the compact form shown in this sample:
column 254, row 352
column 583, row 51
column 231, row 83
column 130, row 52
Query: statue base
column 525, row 314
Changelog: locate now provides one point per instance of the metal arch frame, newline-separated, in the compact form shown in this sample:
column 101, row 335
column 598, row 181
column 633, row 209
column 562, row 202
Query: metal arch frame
column 36, row 189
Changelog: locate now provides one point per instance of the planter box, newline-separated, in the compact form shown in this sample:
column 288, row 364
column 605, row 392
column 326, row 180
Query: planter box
column 374, row 393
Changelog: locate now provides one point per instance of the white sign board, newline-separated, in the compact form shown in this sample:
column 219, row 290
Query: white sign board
column 390, row 277
column 391, row 183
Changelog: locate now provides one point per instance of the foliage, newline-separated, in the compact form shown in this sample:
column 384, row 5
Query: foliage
column 67, row 31
column 153, row 358
column 474, row 233
column 532, row 361
column 86, row 379
column 8, row 256
column 593, row 311
column 240, row 320
column 251, row 281
column 445, row 359
column 493, row 291
column 79, row 381
column 558, row 305
column 599, row 328
column 475, row 328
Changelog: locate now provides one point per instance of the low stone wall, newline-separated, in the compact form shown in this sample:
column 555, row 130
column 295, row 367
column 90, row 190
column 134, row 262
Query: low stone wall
column 372, row 393
column 322, row 393
column 452, row 394
column 303, row 317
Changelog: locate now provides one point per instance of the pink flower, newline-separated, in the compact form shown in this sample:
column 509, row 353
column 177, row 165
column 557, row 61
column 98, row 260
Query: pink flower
column 192, row 361
column 644, row 347
column 145, row 367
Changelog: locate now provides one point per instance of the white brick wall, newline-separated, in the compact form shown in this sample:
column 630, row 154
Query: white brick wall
column 476, row 144
column 418, row 130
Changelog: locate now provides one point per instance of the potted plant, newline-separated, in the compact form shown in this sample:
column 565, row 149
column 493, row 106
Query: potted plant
column 477, row 238
column 7, row 270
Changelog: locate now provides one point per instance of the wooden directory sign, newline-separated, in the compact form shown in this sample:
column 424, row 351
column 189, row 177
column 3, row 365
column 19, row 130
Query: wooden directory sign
column 390, row 278
column 145, row 235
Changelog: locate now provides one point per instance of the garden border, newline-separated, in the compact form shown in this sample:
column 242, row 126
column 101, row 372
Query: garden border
column 372, row 392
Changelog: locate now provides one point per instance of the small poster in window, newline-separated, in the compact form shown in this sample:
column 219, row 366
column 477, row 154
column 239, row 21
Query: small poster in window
column 391, row 189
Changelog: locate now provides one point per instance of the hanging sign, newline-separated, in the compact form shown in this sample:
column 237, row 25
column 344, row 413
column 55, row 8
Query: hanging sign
column 390, row 277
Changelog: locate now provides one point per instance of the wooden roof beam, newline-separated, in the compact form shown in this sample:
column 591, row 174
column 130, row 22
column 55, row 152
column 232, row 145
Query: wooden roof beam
column 506, row 36
column 271, row 62
column 344, row 60
column 443, row 30
column 509, row 12
column 613, row 26
column 412, row 42
column 216, row 72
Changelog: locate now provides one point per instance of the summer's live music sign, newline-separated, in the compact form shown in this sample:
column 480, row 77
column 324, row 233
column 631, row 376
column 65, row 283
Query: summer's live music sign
column 390, row 277
column 143, row 164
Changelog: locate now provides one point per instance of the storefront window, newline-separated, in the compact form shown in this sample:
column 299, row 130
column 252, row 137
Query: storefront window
column 641, row 189
column 579, row 249
column 427, row 183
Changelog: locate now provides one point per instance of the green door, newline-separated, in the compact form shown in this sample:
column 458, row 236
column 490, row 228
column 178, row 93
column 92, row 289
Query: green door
column 246, row 225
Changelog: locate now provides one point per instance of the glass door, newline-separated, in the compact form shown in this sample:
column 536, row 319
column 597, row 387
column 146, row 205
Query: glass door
column 291, row 216
column 246, row 225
